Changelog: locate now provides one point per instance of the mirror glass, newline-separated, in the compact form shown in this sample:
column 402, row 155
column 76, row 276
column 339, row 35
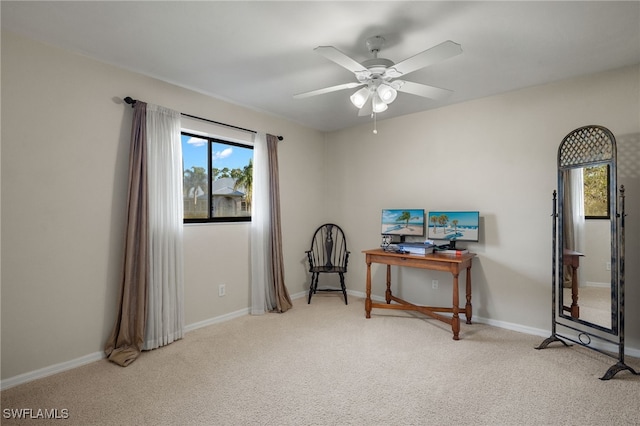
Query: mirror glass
column 587, row 264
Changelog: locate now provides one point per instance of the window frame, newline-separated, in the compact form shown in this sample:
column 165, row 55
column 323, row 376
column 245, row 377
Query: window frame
column 608, row 194
column 211, row 219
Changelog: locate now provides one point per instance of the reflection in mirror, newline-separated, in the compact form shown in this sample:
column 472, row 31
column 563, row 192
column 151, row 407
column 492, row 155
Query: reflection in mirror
column 586, row 227
column 596, row 191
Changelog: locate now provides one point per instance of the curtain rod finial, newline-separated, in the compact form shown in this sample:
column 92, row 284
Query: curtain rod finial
column 130, row 101
column 280, row 138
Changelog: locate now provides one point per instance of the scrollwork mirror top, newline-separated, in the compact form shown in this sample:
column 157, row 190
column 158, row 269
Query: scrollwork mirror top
column 587, row 146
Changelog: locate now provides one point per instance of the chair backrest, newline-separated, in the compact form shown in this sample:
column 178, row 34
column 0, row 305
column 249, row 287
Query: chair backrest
column 329, row 247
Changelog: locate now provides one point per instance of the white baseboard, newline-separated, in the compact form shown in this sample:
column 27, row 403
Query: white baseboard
column 216, row 320
column 51, row 370
column 596, row 284
column 300, row 294
column 96, row 356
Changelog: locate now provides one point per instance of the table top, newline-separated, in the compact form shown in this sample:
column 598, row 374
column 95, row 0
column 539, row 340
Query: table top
column 572, row 252
column 437, row 257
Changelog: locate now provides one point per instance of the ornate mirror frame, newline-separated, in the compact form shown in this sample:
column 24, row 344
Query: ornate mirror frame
column 587, row 146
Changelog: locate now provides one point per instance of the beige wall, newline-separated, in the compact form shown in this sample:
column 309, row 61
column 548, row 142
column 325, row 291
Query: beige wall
column 594, row 272
column 496, row 155
column 64, row 170
column 65, row 137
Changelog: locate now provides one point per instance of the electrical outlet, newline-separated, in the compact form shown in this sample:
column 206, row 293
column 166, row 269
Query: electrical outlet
column 434, row 284
column 608, row 266
column 221, row 290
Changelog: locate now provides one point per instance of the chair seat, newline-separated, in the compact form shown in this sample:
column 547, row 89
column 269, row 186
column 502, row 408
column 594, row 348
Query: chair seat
column 328, row 269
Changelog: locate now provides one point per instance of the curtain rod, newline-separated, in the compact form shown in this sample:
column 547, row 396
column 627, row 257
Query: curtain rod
column 132, row 102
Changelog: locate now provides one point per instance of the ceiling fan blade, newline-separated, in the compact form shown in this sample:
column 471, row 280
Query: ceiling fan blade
column 423, row 90
column 444, row 50
column 328, row 90
column 367, row 109
column 340, row 58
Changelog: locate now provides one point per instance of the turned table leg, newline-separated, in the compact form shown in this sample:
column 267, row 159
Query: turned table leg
column 387, row 294
column 575, row 308
column 455, row 323
column 367, row 300
column 468, row 308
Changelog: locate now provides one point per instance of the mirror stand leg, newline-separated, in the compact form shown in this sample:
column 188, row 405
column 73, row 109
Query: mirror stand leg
column 550, row 340
column 614, row 369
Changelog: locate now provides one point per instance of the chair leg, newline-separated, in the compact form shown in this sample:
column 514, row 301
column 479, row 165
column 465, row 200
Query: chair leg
column 344, row 289
column 314, row 278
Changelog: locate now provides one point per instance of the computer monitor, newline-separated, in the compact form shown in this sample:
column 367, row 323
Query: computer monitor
column 453, row 226
column 403, row 223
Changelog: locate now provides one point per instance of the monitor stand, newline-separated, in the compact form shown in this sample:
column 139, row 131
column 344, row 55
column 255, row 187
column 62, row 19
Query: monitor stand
column 450, row 246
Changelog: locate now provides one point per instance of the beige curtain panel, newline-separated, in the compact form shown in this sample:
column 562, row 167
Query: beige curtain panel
column 283, row 301
column 127, row 338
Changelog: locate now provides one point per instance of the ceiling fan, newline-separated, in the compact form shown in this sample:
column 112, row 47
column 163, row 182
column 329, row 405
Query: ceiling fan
column 379, row 76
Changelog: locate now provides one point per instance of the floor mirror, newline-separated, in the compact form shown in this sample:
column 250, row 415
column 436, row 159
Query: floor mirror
column 588, row 247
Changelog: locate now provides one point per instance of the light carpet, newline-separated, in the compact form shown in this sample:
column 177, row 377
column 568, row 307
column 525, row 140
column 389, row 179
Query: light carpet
column 325, row 364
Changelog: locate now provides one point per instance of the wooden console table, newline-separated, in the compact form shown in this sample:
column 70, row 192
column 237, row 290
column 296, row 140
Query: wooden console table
column 433, row 261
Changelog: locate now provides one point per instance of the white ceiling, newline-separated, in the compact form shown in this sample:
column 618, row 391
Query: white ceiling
column 258, row 54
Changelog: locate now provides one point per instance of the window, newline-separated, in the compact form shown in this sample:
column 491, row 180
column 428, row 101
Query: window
column 217, row 181
column 596, row 192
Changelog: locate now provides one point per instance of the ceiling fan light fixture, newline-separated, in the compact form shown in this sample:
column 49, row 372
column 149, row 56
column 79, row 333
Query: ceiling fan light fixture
column 378, row 104
column 360, row 97
column 387, row 93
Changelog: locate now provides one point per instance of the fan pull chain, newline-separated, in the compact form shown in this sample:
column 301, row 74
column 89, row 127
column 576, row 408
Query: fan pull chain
column 375, row 123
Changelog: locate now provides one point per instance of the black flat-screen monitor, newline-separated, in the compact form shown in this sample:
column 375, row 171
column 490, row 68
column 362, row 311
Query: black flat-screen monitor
column 403, row 222
column 453, row 226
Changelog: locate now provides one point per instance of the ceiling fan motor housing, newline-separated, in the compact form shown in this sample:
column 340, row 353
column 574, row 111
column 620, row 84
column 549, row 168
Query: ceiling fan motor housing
column 378, row 65
column 375, row 43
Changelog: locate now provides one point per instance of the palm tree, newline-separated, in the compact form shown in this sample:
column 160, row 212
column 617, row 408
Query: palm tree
column 454, row 222
column 443, row 219
column 245, row 179
column 194, row 179
column 225, row 173
column 434, row 220
column 215, row 172
column 404, row 217
column 236, row 173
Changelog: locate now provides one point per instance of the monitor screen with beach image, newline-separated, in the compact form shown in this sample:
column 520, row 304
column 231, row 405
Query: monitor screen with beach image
column 454, row 226
column 403, row 222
